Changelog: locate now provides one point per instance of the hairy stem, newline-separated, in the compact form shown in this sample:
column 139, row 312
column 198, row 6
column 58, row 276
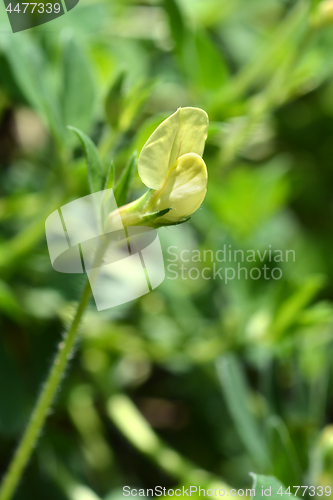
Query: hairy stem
column 44, row 402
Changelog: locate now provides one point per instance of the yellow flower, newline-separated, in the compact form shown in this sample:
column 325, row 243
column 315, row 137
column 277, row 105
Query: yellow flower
column 170, row 164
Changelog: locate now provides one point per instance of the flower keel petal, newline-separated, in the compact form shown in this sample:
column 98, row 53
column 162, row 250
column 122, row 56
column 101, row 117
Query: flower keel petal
column 184, row 189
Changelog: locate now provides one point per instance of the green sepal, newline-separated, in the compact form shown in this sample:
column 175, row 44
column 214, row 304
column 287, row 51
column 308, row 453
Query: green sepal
column 166, row 223
column 155, row 215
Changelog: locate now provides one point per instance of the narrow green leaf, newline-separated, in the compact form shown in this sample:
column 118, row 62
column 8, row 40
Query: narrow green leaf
column 176, row 21
column 199, row 58
column 108, row 202
column 114, row 100
column 30, row 70
column 133, row 103
column 110, row 176
column 27, row 63
column 140, row 434
column 202, row 62
column 283, row 449
column 96, row 170
column 291, row 309
column 78, row 95
column 122, row 105
column 237, row 393
column 268, row 486
column 122, row 187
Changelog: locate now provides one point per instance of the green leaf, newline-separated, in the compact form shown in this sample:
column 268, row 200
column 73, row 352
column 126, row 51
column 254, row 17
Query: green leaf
column 176, row 21
column 270, row 485
column 28, row 66
column 250, row 197
column 140, row 434
column 291, row 309
column 285, row 459
column 203, row 62
column 114, row 100
column 237, row 395
column 133, row 103
column 199, row 58
column 78, row 95
column 123, row 105
column 110, row 175
column 96, row 170
column 108, row 202
column 30, row 70
column 123, row 185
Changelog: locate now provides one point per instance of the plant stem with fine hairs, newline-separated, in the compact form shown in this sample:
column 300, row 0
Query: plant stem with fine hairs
column 44, row 402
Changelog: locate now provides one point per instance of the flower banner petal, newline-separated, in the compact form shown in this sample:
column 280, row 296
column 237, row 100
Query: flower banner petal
column 183, row 132
column 191, row 134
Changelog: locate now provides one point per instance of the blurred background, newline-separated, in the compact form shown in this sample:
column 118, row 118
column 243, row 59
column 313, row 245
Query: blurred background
column 199, row 382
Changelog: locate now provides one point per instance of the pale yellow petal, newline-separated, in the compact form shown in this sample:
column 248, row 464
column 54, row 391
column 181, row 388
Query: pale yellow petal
column 185, row 187
column 191, row 134
column 183, row 132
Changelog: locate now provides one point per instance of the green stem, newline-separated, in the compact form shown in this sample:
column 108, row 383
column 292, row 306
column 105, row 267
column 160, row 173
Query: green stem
column 46, row 398
column 44, row 402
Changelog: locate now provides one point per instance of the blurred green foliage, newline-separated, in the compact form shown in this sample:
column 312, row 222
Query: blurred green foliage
column 201, row 381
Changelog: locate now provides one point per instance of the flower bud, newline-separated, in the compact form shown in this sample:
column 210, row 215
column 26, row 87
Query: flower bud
column 170, row 164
